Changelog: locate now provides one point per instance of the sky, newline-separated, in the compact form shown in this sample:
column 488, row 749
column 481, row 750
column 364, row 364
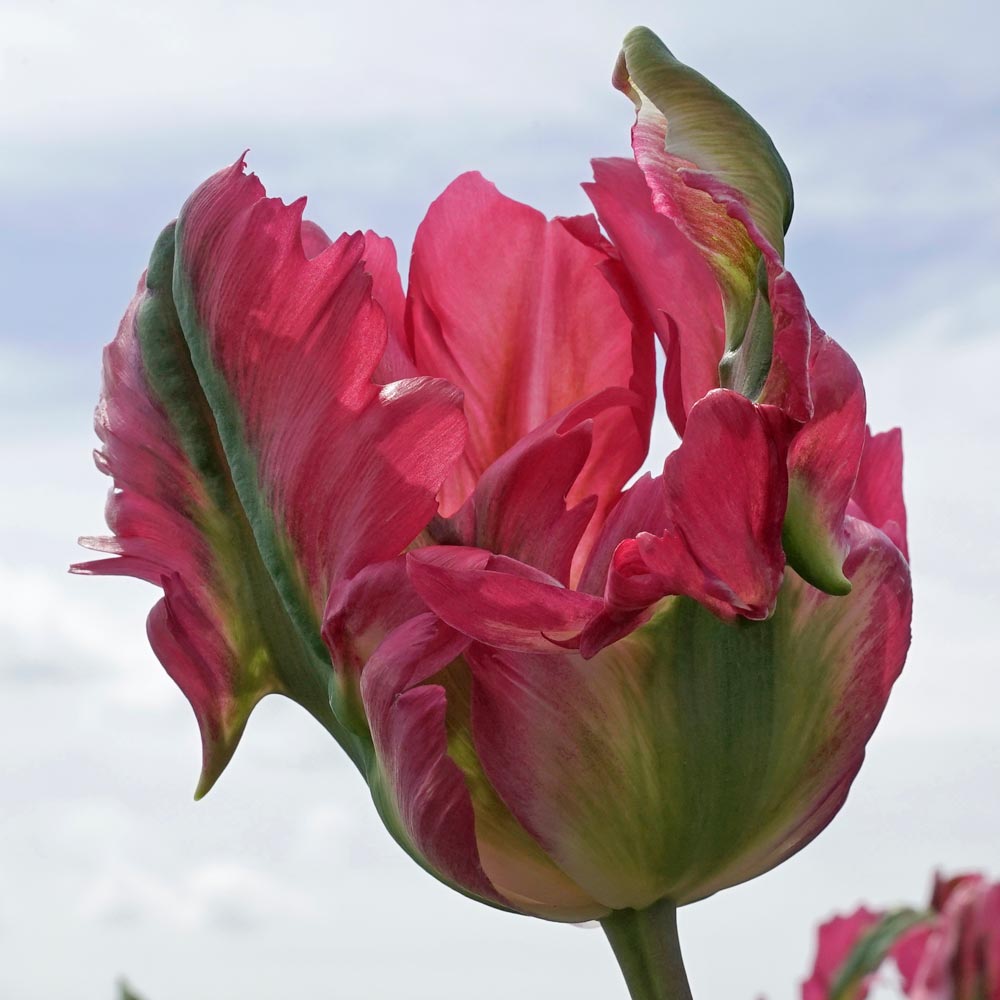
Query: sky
column 282, row 881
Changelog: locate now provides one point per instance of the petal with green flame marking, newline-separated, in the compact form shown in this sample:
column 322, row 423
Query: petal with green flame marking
column 257, row 465
column 695, row 754
column 220, row 630
column 715, row 173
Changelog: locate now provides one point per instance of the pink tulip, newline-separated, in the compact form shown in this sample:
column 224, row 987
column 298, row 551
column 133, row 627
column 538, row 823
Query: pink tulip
column 950, row 951
column 572, row 697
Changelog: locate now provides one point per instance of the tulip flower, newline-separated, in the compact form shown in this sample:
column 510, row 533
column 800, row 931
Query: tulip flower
column 573, row 695
column 950, row 951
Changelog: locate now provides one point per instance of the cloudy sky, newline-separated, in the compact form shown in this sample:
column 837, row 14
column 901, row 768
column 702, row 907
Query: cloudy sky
column 282, row 882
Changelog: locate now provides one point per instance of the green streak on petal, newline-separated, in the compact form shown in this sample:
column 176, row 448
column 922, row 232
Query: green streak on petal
column 694, row 754
column 513, row 861
column 809, row 545
column 687, row 130
column 872, row 950
column 275, row 653
column 708, row 128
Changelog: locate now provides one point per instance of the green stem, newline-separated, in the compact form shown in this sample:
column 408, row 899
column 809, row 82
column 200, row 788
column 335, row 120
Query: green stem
column 647, row 948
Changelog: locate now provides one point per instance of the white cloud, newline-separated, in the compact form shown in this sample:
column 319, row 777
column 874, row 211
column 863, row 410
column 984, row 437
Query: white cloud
column 217, row 896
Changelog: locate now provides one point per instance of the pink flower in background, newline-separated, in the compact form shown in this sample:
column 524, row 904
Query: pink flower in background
column 950, row 951
column 571, row 696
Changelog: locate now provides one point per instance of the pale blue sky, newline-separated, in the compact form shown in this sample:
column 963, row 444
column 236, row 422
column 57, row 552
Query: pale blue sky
column 282, row 882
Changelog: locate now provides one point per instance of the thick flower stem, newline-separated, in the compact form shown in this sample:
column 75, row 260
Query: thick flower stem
column 647, row 948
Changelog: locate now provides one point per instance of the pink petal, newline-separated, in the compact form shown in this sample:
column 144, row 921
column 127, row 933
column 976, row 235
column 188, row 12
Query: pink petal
column 823, row 464
column 676, row 286
column 387, row 290
column 360, row 613
column 516, row 312
column 286, row 348
column 837, row 939
column 522, row 506
column 219, row 630
column 408, row 723
column 878, row 492
column 725, row 489
column 499, row 601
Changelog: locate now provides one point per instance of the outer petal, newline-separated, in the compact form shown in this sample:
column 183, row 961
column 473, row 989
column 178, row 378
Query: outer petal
column 432, row 788
column 407, row 717
column 221, row 630
column 823, row 464
column 878, row 492
column 714, row 172
column 677, row 288
column 257, row 463
column 606, row 761
column 516, row 312
column 286, row 349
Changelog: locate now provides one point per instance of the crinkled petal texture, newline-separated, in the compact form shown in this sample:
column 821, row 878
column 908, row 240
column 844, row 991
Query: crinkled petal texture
column 950, row 951
column 256, row 463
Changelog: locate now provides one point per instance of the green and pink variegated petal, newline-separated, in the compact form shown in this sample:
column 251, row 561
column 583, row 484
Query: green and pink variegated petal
column 714, row 172
column 430, row 786
column 852, row 949
column 220, row 630
column 606, row 761
column 333, row 472
column 256, row 463
column 516, row 311
column 823, row 463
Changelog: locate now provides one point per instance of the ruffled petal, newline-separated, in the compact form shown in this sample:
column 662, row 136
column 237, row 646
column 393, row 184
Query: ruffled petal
column 531, row 504
column 878, row 492
column 677, row 288
column 714, row 172
column 714, row 536
column 516, row 312
column 256, row 464
column 333, row 472
column 221, row 629
column 497, row 600
column 823, row 465
column 421, row 783
column 695, row 754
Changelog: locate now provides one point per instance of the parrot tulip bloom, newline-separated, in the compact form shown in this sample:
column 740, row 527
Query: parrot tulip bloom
column 571, row 697
column 950, row 951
